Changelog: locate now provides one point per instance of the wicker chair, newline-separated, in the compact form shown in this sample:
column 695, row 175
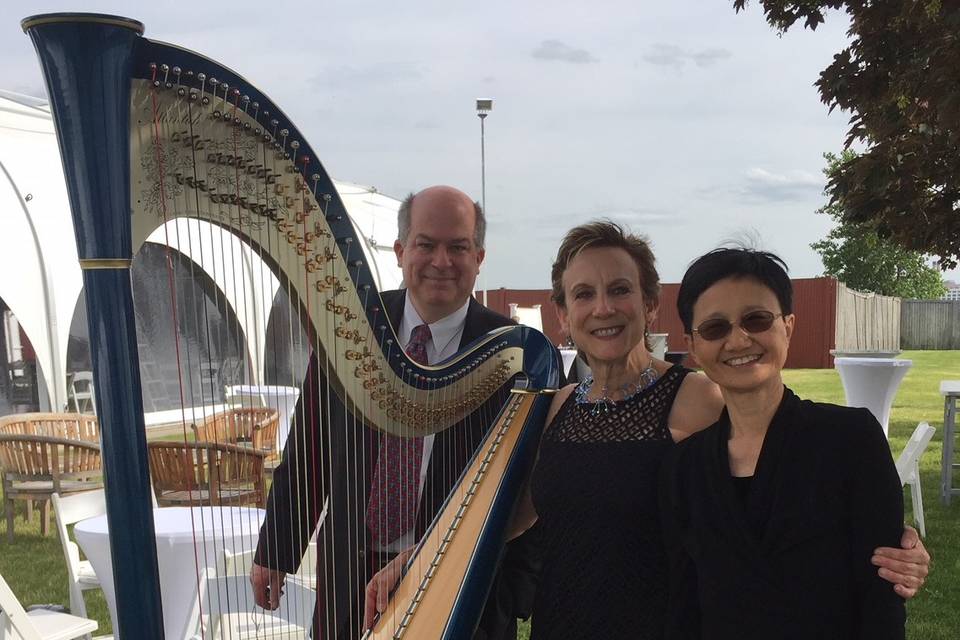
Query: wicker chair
column 253, row 425
column 35, row 467
column 206, row 473
column 71, row 426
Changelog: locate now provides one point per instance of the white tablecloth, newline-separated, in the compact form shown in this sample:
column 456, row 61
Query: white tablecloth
column 283, row 399
column 567, row 356
column 188, row 539
column 872, row 383
column 659, row 343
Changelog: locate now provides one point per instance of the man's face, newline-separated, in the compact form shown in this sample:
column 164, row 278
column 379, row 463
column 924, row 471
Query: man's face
column 440, row 260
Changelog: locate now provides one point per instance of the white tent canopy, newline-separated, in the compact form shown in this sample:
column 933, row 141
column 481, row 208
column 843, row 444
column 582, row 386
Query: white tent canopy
column 42, row 279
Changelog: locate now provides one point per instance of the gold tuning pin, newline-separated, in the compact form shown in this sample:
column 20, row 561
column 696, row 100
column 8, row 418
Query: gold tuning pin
column 338, row 309
column 320, row 231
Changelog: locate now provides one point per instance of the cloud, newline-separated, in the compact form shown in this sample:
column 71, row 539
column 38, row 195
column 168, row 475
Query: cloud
column 637, row 217
column 634, row 218
column 767, row 186
column 669, row 55
column 562, row 52
column 761, row 186
column 707, row 57
column 666, row 55
column 380, row 74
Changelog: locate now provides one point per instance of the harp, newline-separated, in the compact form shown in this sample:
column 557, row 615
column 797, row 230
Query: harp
column 152, row 135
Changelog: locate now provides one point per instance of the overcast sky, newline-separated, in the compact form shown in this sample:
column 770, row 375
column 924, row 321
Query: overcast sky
column 681, row 119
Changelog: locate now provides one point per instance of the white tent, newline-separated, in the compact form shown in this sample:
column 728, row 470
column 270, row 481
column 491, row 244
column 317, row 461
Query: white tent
column 42, row 278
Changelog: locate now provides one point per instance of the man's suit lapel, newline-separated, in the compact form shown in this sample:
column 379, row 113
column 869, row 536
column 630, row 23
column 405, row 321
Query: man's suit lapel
column 393, row 302
column 475, row 325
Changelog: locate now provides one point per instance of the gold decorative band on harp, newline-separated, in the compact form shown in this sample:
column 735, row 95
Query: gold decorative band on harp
column 533, row 392
column 105, row 263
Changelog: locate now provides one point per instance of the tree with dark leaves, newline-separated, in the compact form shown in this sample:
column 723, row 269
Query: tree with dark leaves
column 857, row 256
column 899, row 78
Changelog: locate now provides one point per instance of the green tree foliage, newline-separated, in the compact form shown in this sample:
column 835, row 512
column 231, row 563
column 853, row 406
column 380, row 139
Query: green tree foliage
column 899, row 78
column 857, row 255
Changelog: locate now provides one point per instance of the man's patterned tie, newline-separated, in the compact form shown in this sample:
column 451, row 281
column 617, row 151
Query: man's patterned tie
column 395, row 487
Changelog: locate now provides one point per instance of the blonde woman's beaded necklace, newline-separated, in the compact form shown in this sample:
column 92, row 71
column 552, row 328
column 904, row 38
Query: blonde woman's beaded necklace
column 605, row 403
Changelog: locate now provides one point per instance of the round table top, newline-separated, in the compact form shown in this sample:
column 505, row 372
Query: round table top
column 262, row 389
column 189, row 523
column 873, row 362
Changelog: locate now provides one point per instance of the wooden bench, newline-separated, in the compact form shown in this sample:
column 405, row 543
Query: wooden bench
column 71, row 426
column 206, row 473
column 35, row 467
column 251, row 425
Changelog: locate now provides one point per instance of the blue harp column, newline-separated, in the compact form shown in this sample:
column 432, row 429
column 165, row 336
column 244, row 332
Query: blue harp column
column 87, row 61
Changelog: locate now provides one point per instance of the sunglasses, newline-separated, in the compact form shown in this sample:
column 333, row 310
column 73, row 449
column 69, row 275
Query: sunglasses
column 720, row 328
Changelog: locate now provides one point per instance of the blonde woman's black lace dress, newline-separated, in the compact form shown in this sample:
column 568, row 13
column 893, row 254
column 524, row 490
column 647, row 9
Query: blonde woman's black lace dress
column 594, row 488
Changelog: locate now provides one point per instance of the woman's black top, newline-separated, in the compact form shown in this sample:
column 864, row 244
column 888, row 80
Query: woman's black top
column 791, row 560
column 594, row 490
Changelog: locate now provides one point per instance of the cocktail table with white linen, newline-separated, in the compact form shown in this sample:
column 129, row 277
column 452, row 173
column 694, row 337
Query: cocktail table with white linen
column 188, row 540
column 872, row 383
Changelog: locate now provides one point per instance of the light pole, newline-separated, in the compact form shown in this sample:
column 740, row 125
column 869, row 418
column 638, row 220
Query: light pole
column 484, row 107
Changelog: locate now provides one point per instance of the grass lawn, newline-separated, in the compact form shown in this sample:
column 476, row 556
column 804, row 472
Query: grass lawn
column 34, row 566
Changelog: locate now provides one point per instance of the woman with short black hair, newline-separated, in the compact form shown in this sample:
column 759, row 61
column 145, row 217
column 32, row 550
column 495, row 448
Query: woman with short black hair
column 772, row 514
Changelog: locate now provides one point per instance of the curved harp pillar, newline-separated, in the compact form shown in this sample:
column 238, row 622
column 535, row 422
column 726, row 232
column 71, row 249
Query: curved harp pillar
column 152, row 133
column 89, row 94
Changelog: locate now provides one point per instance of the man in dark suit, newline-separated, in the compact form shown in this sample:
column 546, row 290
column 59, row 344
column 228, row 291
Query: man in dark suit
column 334, row 465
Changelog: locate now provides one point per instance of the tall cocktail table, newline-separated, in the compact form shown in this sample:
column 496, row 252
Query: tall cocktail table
column 189, row 539
column 950, row 390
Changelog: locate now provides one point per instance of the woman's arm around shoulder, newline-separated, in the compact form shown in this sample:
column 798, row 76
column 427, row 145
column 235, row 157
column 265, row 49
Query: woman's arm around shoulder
column 524, row 516
column 697, row 405
column 874, row 503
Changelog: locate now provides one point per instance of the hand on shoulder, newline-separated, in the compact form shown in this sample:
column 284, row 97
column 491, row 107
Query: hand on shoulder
column 697, row 405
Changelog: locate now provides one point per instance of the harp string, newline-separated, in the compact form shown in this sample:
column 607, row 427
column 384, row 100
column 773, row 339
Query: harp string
column 294, row 328
column 207, row 391
column 203, row 394
column 294, row 318
column 158, row 150
column 244, row 288
column 320, row 393
column 198, row 397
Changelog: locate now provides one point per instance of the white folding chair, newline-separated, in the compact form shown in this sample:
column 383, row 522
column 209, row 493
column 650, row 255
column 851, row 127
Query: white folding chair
column 227, row 611
column 71, row 509
column 40, row 624
column 908, row 466
column 81, row 391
